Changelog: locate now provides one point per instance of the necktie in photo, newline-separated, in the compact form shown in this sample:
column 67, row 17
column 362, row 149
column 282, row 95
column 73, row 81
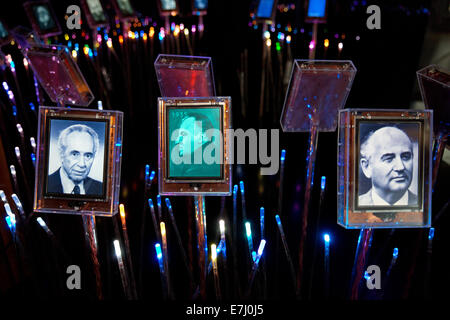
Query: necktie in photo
column 76, row 190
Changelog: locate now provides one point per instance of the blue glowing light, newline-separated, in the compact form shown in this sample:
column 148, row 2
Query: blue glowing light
column 248, row 229
column 33, row 158
column 366, row 275
column 32, row 107
column 152, row 175
column 158, row 200
column 323, row 182
column 262, row 244
column 9, row 222
column 241, row 185
column 168, row 204
column 235, row 189
column 14, row 109
column 150, row 202
column 431, row 234
column 395, row 253
column 147, row 171
column 326, row 238
column 158, row 251
column 283, row 155
column 277, row 217
column 254, row 255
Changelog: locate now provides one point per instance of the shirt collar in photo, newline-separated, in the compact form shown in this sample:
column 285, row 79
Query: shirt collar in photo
column 378, row 201
column 68, row 184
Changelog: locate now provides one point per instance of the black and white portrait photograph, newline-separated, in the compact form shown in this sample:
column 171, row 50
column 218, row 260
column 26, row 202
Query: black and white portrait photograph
column 389, row 165
column 76, row 157
column 43, row 17
column 96, row 10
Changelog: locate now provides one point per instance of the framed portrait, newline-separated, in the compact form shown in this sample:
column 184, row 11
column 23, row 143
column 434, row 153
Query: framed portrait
column 265, row 10
column 199, row 7
column 59, row 75
column 316, row 11
column 185, row 76
column 42, row 18
column 384, row 168
column 5, row 37
column 168, row 7
column 95, row 15
column 78, row 163
column 124, row 9
column 194, row 153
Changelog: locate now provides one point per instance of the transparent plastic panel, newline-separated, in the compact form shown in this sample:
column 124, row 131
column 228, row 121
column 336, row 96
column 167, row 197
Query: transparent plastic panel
column 59, row 75
column 384, row 168
column 317, row 90
column 185, row 76
column 434, row 85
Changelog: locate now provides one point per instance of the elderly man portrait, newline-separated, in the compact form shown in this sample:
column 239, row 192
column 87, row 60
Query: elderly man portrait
column 77, row 146
column 387, row 160
column 44, row 18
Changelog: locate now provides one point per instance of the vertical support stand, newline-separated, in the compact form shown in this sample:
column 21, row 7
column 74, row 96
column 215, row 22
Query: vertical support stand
column 91, row 241
column 364, row 240
column 200, row 218
column 263, row 73
column 312, row 52
column 438, row 151
column 311, row 160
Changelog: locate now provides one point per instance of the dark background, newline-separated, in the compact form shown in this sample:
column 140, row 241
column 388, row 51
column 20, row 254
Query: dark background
column 386, row 61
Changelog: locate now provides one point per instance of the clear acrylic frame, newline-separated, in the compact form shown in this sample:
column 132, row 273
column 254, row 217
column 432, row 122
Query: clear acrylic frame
column 194, row 186
column 59, row 75
column 317, row 90
column 185, row 76
column 360, row 208
column 199, row 11
column 434, row 83
column 105, row 204
column 167, row 12
column 56, row 30
column 93, row 24
column 268, row 18
column 122, row 15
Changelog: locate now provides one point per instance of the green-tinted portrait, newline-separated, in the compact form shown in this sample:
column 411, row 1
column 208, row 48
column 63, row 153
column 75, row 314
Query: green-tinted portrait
column 195, row 148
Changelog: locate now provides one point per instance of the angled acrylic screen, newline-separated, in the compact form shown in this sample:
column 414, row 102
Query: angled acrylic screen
column 434, row 84
column 59, row 75
column 317, row 90
column 184, row 76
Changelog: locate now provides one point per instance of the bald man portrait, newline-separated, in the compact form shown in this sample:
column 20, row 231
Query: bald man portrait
column 77, row 147
column 386, row 159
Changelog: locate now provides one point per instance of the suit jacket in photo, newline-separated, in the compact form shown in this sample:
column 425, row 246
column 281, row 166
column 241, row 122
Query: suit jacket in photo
column 91, row 186
column 366, row 199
